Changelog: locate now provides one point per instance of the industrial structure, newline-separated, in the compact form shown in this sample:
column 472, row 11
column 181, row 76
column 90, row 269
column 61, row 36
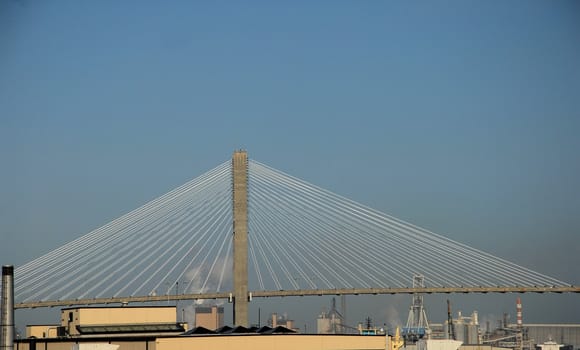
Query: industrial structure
column 7, row 309
column 464, row 328
column 512, row 336
column 83, row 322
column 210, row 317
column 331, row 322
column 369, row 328
column 417, row 324
column 550, row 345
column 533, row 335
column 282, row 320
column 565, row 334
column 518, row 335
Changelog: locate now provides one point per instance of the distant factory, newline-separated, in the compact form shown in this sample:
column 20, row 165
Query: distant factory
column 157, row 328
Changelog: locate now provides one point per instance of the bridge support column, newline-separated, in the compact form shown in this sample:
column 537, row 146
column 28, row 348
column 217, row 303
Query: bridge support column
column 7, row 308
column 240, row 211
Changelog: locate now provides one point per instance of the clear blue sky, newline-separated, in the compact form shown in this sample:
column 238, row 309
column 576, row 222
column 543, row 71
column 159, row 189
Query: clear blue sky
column 460, row 116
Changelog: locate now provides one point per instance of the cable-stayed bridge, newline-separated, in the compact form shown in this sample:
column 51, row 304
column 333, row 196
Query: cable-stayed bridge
column 245, row 230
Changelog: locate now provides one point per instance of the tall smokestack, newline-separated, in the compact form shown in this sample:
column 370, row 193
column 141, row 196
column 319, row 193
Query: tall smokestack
column 519, row 312
column 7, row 313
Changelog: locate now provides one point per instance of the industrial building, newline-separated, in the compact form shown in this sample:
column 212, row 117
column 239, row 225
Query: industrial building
column 565, row 334
column 281, row 320
column 464, row 328
column 328, row 323
column 82, row 322
column 532, row 336
column 156, row 328
column 210, row 317
column 331, row 322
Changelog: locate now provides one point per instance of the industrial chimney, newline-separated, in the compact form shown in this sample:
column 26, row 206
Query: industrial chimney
column 519, row 324
column 519, row 312
column 7, row 309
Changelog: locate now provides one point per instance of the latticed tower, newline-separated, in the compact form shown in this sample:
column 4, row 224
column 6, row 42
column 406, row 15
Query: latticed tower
column 417, row 324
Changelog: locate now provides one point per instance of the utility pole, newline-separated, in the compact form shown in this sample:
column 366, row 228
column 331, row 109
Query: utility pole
column 343, row 311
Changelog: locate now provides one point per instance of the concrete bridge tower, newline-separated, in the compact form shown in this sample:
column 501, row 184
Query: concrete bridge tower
column 240, row 211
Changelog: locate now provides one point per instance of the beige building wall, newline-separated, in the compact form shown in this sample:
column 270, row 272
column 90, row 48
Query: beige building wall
column 209, row 317
column 41, row 331
column 68, row 345
column 227, row 342
column 141, row 345
column 274, row 342
column 45, row 345
column 70, row 318
column 481, row 347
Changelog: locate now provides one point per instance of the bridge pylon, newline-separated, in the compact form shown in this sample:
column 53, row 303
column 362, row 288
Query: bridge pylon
column 240, row 233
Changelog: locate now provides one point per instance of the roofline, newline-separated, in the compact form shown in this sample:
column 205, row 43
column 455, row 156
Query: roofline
column 551, row 325
column 119, row 307
column 152, row 338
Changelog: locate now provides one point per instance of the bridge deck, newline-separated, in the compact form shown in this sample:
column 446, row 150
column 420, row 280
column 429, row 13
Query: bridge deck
column 300, row 292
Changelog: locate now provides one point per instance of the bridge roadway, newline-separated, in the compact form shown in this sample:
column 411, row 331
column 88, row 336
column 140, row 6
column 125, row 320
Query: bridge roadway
column 299, row 292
